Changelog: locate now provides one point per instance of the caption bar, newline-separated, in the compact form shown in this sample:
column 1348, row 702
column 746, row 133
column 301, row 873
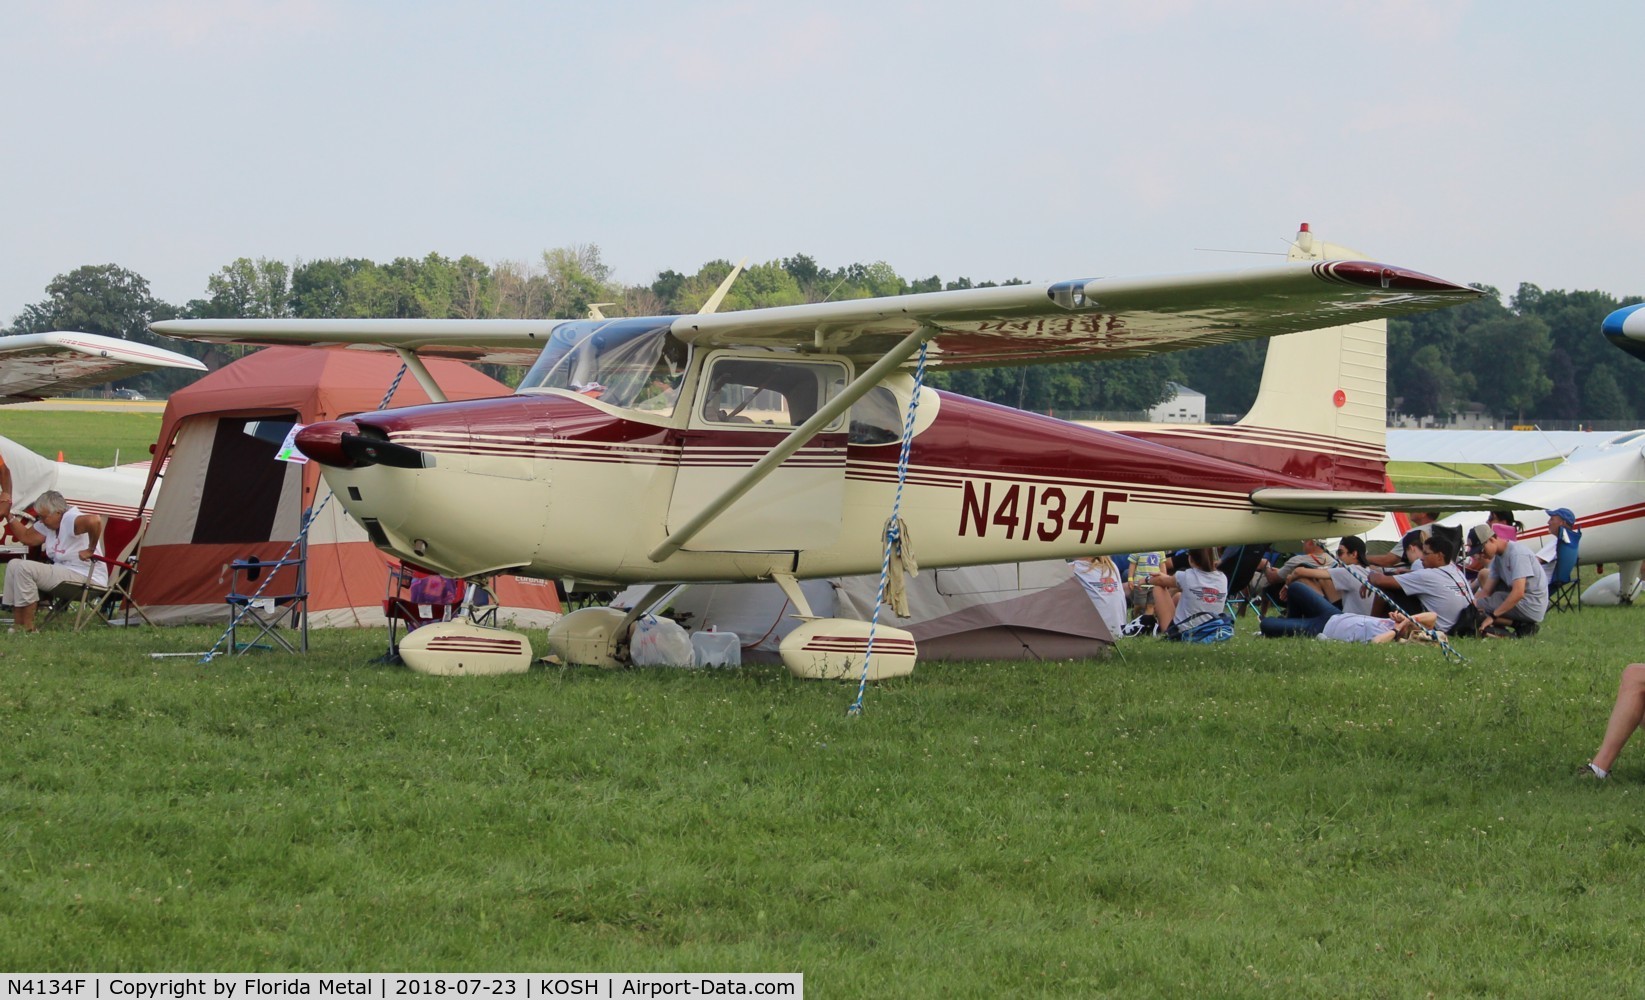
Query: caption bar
column 398, row 986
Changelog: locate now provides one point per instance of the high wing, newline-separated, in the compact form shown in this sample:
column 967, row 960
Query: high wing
column 38, row 365
column 981, row 327
column 1093, row 318
column 1460, row 447
column 479, row 341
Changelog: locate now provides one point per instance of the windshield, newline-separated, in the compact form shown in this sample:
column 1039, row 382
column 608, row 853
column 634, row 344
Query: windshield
column 626, row 362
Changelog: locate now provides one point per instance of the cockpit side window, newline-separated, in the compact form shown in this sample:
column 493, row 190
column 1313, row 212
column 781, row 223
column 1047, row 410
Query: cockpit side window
column 768, row 393
column 636, row 363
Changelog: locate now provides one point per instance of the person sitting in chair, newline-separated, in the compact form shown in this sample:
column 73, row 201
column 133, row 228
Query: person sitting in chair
column 69, row 538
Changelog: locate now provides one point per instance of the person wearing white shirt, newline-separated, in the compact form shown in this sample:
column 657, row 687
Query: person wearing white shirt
column 70, row 538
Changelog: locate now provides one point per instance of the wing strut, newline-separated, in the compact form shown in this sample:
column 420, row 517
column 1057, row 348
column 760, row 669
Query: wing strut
column 420, row 372
column 795, row 440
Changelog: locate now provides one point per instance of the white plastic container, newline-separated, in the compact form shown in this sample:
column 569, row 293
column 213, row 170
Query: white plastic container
column 717, row 649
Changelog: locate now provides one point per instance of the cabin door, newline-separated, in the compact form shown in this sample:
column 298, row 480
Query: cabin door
column 745, row 406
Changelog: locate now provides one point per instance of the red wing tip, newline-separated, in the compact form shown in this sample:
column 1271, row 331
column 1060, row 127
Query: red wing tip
column 1370, row 274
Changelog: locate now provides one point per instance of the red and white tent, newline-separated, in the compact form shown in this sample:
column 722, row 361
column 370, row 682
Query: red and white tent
column 226, row 496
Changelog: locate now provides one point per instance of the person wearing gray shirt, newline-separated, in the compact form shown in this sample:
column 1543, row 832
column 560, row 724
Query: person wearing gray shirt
column 1514, row 590
column 1438, row 584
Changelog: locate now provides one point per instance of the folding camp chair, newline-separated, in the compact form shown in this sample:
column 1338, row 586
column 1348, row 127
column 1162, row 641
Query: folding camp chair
column 122, row 536
column 1564, row 594
column 266, row 603
column 1239, row 564
column 416, row 598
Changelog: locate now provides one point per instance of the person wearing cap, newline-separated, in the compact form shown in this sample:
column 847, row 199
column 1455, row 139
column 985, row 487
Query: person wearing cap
column 1512, row 592
column 1562, row 525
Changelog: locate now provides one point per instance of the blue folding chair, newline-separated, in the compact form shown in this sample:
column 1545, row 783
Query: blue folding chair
column 1563, row 592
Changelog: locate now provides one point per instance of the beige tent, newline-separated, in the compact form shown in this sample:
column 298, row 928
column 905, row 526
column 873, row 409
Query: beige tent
column 227, row 498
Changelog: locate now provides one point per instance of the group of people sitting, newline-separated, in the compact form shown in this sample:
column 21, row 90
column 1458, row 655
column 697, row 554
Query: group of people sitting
column 1419, row 589
column 1501, row 591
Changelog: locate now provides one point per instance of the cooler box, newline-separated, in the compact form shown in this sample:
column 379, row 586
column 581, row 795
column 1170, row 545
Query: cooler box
column 717, row 649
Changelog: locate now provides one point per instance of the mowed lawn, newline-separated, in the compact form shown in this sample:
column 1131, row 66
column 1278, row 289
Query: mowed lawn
column 1258, row 818
column 85, row 438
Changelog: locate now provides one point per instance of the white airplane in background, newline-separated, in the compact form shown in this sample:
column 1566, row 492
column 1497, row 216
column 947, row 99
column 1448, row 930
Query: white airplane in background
column 763, row 444
column 35, row 366
column 111, row 492
column 1598, row 475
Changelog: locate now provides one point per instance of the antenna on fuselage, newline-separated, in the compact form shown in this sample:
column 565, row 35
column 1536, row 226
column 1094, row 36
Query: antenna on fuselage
column 714, row 300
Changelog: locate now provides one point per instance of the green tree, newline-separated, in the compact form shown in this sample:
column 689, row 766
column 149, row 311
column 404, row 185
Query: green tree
column 1602, row 398
column 108, row 299
column 1508, row 358
column 250, row 289
column 319, row 288
column 96, row 298
column 576, row 278
column 761, row 286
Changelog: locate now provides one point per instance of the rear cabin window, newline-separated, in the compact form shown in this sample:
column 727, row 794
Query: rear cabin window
column 876, row 418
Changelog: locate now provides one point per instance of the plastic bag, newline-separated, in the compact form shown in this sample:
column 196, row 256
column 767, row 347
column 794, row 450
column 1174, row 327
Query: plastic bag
column 659, row 642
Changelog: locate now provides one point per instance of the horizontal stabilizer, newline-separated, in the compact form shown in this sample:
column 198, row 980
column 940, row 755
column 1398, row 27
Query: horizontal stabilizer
column 1316, row 501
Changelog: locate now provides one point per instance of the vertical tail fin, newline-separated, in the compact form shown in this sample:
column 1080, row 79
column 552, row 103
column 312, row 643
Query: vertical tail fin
column 1326, row 390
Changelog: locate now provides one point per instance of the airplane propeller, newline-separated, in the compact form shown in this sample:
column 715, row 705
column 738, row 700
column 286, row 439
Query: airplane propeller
column 375, row 451
column 346, row 445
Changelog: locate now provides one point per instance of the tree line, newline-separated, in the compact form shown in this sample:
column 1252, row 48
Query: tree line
column 1537, row 355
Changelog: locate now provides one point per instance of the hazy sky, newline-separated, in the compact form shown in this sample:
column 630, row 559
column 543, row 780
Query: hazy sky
column 1488, row 141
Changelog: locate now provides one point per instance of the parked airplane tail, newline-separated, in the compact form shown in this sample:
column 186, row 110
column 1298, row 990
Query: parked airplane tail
column 1327, row 389
column 1321, row 407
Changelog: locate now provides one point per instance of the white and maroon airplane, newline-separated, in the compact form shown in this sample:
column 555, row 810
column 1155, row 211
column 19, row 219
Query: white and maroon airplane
column 763, row 445
column 35, row 366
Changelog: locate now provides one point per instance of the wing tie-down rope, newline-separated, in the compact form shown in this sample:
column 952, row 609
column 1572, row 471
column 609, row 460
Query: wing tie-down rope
column 302, row 536
column 898, row 546
column 1434, row 634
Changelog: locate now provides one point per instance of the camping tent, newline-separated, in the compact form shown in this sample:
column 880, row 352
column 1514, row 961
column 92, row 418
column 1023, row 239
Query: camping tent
column 227, row 497
column 1013, row 611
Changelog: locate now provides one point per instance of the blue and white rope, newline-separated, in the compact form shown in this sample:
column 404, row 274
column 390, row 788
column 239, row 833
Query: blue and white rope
column 392, row 386
column 1434, row 634
column 893, row 528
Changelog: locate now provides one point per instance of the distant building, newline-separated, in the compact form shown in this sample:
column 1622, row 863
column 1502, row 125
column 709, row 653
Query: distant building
column 1186, row 406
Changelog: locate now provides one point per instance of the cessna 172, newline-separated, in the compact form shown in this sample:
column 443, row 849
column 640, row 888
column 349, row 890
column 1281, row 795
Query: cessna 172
column 764, row 445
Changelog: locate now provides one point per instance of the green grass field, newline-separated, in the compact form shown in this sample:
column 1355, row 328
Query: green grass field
column 1258, row 818
column 84, row 438
column 1262, row 818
